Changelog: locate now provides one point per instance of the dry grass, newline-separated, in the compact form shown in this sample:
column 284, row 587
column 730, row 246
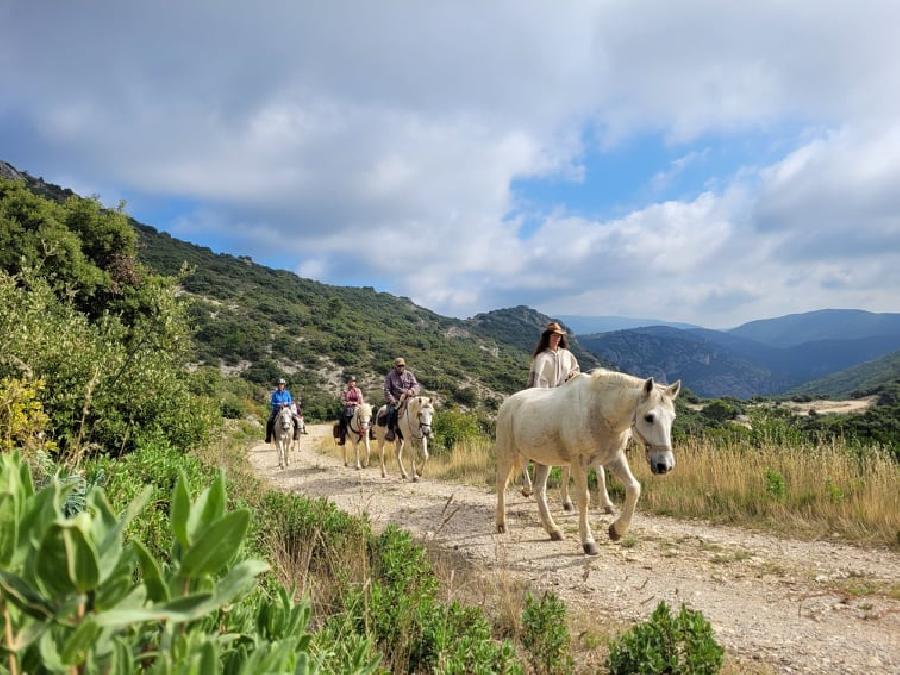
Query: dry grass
column 810, row 491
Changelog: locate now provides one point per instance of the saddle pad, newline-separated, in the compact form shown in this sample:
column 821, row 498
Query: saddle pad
column 381, row 420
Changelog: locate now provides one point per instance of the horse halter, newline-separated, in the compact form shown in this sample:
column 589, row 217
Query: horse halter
column 648, row 446
column 363, row 426
column 424, row 429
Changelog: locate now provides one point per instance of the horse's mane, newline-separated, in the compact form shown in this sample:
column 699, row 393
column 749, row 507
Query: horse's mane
column 612, row 377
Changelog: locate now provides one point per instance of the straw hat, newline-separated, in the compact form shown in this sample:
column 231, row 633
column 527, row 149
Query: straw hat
column 554, row 327
column 399, row 361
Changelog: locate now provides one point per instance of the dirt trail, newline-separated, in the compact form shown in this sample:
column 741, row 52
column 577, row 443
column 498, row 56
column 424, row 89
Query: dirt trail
column 776, row 604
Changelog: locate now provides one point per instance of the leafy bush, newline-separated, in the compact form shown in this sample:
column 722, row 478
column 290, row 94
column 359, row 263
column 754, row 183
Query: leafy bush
column 105, row 383
column 453, row 426
column 775, row 483
column 546, row 635
column 72, row 602
column 667, row 644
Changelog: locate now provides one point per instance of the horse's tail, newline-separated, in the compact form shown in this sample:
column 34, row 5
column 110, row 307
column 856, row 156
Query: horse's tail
column 504, row 447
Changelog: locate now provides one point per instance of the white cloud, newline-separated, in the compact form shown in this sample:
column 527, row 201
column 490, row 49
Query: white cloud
column 390, row 135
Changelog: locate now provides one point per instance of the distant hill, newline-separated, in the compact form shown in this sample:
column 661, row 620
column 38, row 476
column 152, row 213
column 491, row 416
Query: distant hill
column 521, row 326
column 584, row 325
column 262, row 324
column 823, row 324
column 862, row 379
column 668, row 354
column 716, row 363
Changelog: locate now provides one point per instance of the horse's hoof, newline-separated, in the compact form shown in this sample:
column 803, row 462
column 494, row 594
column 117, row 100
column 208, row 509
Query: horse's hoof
column 556, row 535
column 415, row 478
column 568, row 506
column 526, row 492
column 501, row 529
column 590, row 548
column 358, row 467
column 613, row 535
column 608, row 510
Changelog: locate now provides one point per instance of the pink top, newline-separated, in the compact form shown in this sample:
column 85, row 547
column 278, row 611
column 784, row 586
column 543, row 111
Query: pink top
column 352, row 396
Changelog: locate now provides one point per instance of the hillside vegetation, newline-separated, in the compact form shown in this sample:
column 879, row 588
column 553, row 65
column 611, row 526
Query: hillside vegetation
column 861, row 380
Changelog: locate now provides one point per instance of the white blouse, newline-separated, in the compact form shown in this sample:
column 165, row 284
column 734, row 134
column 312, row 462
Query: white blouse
column 550, row 369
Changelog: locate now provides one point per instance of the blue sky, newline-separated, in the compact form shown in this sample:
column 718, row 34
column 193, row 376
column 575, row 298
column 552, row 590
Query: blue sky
column 699, row 161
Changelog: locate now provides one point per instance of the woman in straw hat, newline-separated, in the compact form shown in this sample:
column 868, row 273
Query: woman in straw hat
column 553, row 363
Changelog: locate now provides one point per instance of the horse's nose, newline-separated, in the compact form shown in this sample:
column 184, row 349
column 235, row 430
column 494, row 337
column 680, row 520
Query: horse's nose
column 662, row 467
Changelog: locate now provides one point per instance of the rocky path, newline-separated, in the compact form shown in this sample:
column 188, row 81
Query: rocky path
column 776, row 604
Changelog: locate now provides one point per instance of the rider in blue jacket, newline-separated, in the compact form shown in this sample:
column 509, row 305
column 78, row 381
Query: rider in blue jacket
column 280, row 397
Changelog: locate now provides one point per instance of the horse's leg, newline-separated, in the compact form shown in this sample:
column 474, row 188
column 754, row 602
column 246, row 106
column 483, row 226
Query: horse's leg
column 417, row 470
column 527, row 490
column 605, row 501
column 506, row 464
column 583, row 497
column 564, row 488
column 619, row 467
column 287, row 448
column 398, row 444
column 381, row 450
column 541, row 471
column 356, row 451
column 414, row 456
column 368, row 448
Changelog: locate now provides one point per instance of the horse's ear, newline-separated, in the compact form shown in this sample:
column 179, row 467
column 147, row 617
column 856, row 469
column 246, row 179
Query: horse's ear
column 675, row 388
column 648, row 386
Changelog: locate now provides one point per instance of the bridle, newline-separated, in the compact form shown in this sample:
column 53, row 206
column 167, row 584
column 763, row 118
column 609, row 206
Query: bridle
column 648, row 446
column 363, row 425
column 424, row 429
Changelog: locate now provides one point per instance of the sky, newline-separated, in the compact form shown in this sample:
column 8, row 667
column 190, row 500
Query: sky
column 702, row 161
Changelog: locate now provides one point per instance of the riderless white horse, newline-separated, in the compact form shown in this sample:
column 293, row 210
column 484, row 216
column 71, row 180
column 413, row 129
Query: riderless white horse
column 284, row 435
column 358, row 432
column 414, row 422
column 587, row 421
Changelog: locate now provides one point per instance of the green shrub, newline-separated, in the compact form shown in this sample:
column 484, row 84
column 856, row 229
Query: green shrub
column 775, row 484
column 453, row 426
column 667, row 644
column 77, row 597
column 545, row 634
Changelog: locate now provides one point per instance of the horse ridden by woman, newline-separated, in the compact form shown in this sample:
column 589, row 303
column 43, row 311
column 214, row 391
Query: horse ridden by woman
column 283, row 429
column 587, row 421
column 358, row 432
column 414, row 422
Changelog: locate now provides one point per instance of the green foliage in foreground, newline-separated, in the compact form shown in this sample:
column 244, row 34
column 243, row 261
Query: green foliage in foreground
column 374, row 596
column 71, row 600
column 665, row 644
column 546, row 635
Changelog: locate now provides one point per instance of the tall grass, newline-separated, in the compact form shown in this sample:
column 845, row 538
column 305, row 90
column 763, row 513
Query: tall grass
column 802, row 490
column 833, row 490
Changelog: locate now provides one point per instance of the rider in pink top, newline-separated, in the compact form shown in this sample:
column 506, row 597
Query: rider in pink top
column 351, row 397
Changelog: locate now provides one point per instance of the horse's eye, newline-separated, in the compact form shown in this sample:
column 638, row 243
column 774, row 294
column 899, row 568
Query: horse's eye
column 648, row 419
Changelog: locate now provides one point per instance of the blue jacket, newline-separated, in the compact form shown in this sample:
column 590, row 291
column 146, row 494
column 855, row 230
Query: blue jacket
column 280, row 398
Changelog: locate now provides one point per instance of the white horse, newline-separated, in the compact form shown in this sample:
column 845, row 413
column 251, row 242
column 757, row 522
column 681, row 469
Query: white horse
column 284, row 435
column 358, row 432
column 584, row 422
column 414, row 424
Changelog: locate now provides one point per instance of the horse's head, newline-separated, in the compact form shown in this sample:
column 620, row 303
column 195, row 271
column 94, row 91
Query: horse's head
column 364, row 415
column 422, row 410
column 653, row 419
column 285, row 418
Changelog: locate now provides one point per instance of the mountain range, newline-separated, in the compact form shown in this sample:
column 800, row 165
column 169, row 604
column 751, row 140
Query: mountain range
column 787, row 353
column 261, row 323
